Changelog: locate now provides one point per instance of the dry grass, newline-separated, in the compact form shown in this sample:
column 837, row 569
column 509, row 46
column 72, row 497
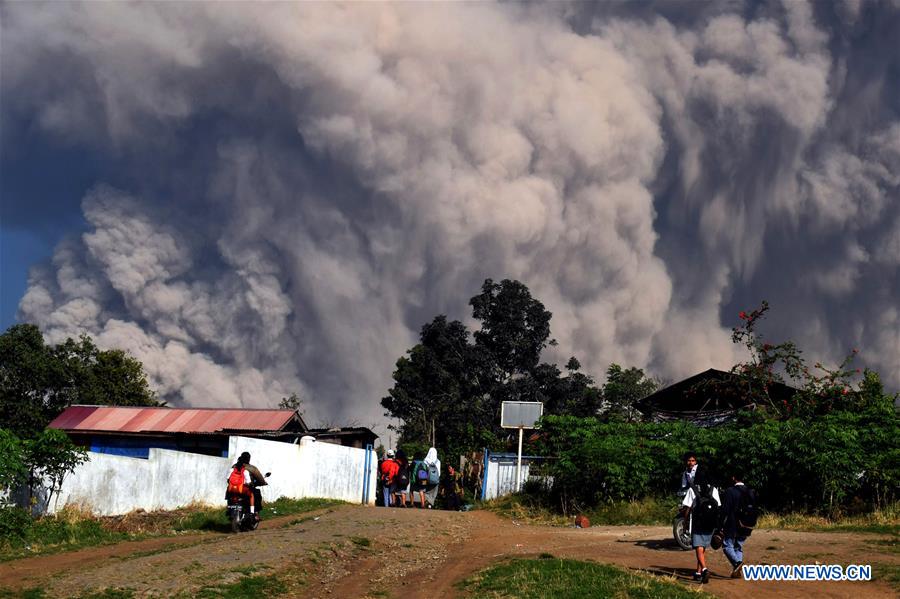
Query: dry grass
column 882, row 521
column 140, row 522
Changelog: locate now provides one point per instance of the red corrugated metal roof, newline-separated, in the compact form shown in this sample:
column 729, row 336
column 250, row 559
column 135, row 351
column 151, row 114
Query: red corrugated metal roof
column 169, row 420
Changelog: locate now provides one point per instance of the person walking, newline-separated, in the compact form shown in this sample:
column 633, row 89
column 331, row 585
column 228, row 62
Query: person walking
column 739, row 515
column 400, row 486
column 388, row 470
column 703, row 500
column 433, row 464
column 453, row 489
column 418, row 481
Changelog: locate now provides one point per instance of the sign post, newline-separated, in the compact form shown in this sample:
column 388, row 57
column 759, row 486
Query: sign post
column 520, row 415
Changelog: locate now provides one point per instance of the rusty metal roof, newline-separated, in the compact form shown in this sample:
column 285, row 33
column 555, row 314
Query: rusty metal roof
column 109, row 419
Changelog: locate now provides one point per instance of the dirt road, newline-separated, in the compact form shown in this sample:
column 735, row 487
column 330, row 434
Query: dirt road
column 375, row 552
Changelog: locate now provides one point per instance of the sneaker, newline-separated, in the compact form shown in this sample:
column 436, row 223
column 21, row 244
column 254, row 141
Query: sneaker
column 704, row 576
column 737, row 572
column 698, row 576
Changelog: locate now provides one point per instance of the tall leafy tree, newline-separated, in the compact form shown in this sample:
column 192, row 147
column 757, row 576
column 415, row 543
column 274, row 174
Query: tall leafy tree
column 31, row 380
column 432, row 380
column 38, row 381
column 623, row 388
column 452, row 387
column 515, row 327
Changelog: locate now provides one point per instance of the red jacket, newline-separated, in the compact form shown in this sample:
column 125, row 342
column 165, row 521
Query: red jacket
column 389, row 469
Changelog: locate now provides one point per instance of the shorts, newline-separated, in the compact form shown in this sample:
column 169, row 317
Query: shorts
column 701, row 540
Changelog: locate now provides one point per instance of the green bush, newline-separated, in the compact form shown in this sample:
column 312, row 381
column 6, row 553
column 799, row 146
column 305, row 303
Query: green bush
column 15, row 526
column 827, row 464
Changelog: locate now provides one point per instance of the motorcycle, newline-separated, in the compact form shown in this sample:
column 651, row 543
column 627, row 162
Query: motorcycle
column 681, row 525
column 238, row 511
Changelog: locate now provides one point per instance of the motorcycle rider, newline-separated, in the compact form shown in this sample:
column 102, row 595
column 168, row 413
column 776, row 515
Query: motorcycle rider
column 256, row 480
column 239, row 483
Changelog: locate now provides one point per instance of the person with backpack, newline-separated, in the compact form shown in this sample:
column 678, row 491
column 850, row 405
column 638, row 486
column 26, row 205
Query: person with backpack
column 388, row 470
column 239, row 483
column 400, row 486
column 433, row 464
column 419, row 481
column 739, row 515
column 703, row 500
column 256, row 480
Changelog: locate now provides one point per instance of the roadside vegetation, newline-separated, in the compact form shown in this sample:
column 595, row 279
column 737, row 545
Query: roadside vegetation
column 529, row 507
column 71, row 529
column 550, row 577
column 820, row 444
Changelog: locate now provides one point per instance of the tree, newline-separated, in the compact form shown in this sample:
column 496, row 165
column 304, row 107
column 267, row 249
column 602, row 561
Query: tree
column 573, row 394
column 448, row 390
column 38, row 381
column 623, row 388
column 31, row 380
column 49, row 458
column 12, row 467
column 102, row 377
column 432, row 380
column 515, row 327
column 290, row 403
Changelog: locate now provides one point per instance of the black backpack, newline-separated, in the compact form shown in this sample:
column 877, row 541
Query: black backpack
column 402, row 478
column 706, row 510
column 747, row 513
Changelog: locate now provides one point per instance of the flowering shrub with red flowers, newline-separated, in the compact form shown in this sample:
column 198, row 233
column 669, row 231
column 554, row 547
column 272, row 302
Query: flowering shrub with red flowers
column 820, row 390
column 828, row 442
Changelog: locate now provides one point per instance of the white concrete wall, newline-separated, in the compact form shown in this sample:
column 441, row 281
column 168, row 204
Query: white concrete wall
column 500, row 478
column 110, row 484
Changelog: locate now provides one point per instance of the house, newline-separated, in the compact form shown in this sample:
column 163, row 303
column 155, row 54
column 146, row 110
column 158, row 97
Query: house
column 709, row 398
column 133, row 431
column 349, row 436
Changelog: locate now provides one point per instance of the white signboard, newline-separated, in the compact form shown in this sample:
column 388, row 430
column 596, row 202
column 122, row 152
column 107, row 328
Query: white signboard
column 520, row 414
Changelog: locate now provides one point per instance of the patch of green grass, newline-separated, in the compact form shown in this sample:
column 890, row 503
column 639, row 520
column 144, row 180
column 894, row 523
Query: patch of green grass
column 649, row 511
column 551, row 578
column 109, row 594
column 70, row 530
column 62, row 532
column 39, row 593
column 250, row 587
column 251, row 569
column 889, row 573
column 885, row 545
column 361, row 541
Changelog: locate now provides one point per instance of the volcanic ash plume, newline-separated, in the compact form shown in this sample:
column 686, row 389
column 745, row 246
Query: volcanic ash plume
column 299, row 187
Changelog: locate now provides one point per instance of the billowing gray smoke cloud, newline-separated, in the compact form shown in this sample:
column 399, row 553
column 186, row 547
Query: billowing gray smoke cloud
column 306, row 184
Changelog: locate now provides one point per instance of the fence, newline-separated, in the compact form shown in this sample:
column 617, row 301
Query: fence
column 500, row 473
column 167, row 479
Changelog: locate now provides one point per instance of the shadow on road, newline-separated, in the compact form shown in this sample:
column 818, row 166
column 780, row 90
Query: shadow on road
column 657, row 544
column 684, row 574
